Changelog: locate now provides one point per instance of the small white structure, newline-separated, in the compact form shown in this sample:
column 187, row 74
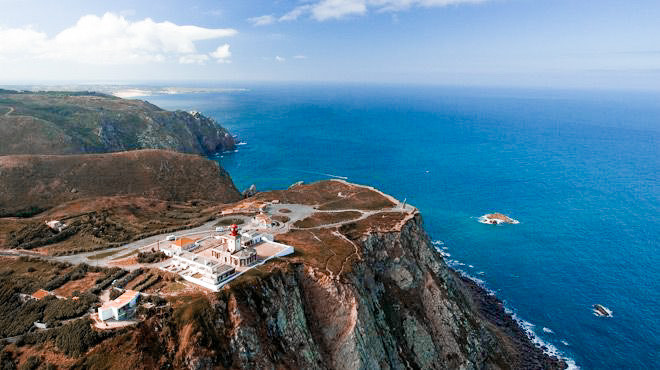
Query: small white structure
column 56, row 225
column 263, row 220
column 40, row 325
column 121, row 307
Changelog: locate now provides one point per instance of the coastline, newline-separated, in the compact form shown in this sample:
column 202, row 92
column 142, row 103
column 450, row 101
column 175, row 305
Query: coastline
column 532, row 354
column 538, row 353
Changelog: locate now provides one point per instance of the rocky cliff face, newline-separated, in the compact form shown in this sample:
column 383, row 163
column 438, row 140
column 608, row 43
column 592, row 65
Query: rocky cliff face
column 396, row 306
column 83, row 122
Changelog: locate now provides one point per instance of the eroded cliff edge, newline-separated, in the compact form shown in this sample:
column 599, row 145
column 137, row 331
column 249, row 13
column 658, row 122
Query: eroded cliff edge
column 372, row 293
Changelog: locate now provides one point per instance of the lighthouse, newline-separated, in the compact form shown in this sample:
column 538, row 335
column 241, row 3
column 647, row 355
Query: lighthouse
column 234, row 239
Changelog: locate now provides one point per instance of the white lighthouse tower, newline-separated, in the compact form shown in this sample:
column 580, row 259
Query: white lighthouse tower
column 233, row 239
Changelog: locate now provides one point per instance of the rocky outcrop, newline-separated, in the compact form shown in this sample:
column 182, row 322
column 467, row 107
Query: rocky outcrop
column 250, row 192
column 398, row 306
column 84, row 122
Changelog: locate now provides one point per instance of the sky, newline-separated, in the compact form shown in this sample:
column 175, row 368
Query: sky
column 548, row 43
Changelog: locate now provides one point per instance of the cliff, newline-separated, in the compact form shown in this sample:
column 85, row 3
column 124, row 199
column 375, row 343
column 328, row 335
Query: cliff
column 371, row 293
column 87, row 122
column 30, row 184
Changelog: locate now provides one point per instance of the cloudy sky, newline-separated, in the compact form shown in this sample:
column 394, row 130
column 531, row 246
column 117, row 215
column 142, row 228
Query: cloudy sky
column 556, row 43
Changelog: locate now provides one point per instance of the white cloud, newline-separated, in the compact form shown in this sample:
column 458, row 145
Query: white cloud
column 193, row 59
column 280, row 59
column 295, row 13
column 222, row 53
column 328, row 9
column 111, row 39
column 262, row 20
column 335, row 9
column 299, row 57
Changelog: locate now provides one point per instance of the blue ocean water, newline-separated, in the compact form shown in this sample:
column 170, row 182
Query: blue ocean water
column 578, row 169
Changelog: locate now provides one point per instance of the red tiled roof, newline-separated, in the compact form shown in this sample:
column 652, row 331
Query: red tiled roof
column 182, row 242
column 39, row 294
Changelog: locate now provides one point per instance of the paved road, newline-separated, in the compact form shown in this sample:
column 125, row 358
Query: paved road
column 145, row 243
column 300, row 211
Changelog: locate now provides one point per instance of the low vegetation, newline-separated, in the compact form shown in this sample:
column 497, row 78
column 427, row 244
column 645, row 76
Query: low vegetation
column 71, row 122
column 229, row 221
column 73, row 338
column 128, row 278
column 151, row 256
column 100, row 223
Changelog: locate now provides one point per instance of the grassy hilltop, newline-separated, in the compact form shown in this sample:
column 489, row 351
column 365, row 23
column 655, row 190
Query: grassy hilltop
column 88, row 122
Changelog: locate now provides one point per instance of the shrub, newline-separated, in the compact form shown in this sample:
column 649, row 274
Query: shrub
column 125, row 280
column 151, row 257
column 114, row 293
column 32, row 363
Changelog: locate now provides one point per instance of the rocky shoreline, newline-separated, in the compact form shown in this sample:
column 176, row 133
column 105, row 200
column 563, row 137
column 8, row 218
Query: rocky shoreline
column 533, row 356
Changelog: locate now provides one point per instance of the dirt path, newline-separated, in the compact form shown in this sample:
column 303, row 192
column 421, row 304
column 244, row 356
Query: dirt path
column 10, row 111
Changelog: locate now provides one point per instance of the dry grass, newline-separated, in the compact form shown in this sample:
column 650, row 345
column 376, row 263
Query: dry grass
column 324, row 218
column 117, row 220
column 379, row 222
column 328, row 195
column 45, row 181
column 320, row 248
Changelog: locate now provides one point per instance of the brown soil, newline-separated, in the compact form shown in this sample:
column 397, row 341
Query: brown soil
column 280, row 218
column 80, row 285
column 131, row 261
column 50, row 353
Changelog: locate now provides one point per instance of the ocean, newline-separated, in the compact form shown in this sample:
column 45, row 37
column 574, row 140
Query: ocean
column 578, row 169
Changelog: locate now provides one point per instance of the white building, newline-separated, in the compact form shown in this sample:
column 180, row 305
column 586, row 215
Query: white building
column 210, row 271
column 263, row 220
column 56, row 225
column 121, row 307
column 235, row 249
column 179, row 245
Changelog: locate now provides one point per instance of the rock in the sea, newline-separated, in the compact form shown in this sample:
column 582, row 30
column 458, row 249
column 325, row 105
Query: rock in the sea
column 296, row 184
column 250, row 192
column 602, row 311
column 496, row 219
